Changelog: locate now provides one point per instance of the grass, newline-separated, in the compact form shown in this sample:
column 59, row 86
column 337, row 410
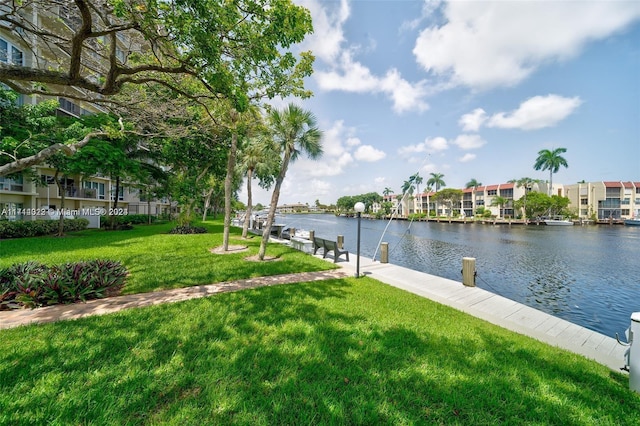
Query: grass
column 158, row 260
column 348, row 351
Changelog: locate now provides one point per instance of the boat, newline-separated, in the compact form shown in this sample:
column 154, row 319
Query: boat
column 299, row 233
column 632, row 222
column 557, row 221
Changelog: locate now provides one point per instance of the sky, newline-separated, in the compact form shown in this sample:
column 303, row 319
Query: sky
column 469, row 90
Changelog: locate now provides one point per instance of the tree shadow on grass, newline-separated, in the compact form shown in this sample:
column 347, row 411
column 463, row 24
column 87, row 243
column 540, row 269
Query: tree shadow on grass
column 303, row 353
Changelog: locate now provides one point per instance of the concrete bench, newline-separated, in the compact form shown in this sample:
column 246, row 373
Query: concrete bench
column 302, row 244
column 328, row 246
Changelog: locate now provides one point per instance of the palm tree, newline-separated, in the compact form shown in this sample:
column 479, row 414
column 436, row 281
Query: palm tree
column 256, row 156
column 473, row 183
column 295, row 131
column 417, row 179
column 552, row 161
column 407, row 191
column 499, row 201
column 436, row 180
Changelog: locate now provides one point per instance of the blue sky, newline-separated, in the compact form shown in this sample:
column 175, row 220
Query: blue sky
column 469, row 89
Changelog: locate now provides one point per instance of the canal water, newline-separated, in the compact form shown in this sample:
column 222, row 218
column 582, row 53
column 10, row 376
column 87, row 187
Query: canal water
column 588, row 275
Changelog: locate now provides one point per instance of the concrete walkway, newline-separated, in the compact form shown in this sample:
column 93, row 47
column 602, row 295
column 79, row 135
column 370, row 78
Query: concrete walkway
column 495, row 309
column 15, row 318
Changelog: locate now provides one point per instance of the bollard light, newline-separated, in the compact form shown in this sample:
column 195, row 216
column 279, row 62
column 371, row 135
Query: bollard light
column 359, row 208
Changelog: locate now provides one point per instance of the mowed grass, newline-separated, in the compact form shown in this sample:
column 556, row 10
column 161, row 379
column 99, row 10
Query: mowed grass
column 348, row 351
column 157, row 260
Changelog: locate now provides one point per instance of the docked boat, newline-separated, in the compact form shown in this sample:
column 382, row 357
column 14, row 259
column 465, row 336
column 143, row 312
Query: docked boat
column 557, row 221
column 632, row 222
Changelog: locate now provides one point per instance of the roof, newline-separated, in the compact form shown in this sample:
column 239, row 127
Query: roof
column 612, row 184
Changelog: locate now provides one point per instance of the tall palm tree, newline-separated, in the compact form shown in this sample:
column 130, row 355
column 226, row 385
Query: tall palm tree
column 407, row 191
column 436, row 180
column 417, row 179
column 552, row 161
column 295, row 131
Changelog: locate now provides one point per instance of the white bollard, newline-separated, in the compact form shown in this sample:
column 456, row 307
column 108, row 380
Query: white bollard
column 633, row 360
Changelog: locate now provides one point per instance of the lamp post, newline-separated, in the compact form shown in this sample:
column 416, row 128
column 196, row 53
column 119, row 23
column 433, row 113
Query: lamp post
column 359, row 208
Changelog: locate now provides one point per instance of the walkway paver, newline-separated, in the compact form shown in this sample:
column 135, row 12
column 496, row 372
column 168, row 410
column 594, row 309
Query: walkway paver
column 15, row 318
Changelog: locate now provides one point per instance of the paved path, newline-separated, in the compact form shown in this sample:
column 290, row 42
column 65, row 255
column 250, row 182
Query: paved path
column 9, row 319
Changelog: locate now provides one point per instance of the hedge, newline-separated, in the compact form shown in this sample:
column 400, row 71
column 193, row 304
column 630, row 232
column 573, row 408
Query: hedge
column 36, row 228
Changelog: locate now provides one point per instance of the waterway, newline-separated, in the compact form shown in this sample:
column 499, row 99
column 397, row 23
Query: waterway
column 588, row 275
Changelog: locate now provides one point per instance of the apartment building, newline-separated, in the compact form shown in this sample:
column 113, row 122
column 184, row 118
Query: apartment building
column 605, row 200
column 24, row 196
column 600, row 200
column 39, row 197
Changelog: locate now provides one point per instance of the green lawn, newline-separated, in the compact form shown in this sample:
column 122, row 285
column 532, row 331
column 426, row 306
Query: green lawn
column 338, row 352
column 158, row 260
column 349, row 351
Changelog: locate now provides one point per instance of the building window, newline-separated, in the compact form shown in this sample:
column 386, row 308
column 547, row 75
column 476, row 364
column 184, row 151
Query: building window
column 12, row 184
column 613, row 193
column 10, row 54
column 506, row 193
column 584, row 202
column 98, row 190
column 120, row 194
column 492, row 192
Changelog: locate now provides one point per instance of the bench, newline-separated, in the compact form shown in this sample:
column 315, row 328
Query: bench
column 328, row 246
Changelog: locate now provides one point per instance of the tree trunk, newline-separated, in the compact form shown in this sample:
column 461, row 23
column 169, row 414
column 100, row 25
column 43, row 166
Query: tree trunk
column 62, row 190
column 112, row 217
column 207, row 203
column 247, row 215
column 228, row 180
column 266, row 232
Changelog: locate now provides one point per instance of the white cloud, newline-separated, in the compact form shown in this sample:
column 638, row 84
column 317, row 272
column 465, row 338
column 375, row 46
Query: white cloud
column 473, row 121
column 488, row 44
column 344, row 73
column 353, row 142
column 327, row 37
column 430, row 145
column 469, row 141
column 467, row 157
column 369, row 154
column 536, row 113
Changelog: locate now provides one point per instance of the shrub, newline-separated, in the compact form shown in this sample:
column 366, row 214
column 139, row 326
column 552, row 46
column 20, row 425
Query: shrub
column 129, row 219
column 37, row 228
column 33, row 284
column 188, row 229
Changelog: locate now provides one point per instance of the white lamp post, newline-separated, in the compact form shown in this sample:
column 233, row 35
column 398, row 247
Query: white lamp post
column 359, row 208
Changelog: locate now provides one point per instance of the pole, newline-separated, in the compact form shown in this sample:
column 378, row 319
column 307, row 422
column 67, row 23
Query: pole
column 358, row 249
